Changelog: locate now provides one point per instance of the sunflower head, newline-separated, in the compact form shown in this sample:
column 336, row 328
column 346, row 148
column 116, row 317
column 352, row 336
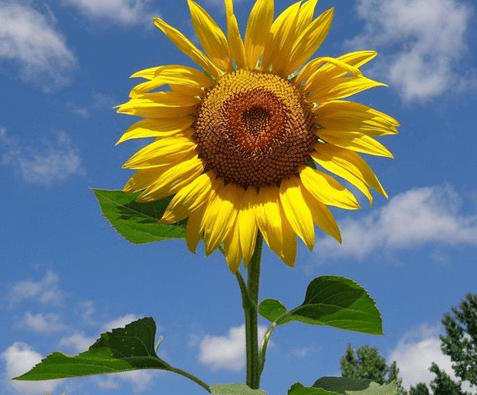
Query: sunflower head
column 251, row 140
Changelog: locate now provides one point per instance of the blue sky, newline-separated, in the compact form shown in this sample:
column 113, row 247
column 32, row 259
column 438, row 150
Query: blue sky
column 67, row 276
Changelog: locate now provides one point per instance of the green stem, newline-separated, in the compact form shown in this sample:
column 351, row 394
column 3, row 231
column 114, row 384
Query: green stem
column 190, row 377
column 251, row 316
column 263, row 350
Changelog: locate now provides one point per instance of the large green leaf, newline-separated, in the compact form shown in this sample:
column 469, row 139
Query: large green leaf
column 299, row 389
column 234, row 389
column 137, row 222
column 352, row 386
column 332, row 301
column 121, row 350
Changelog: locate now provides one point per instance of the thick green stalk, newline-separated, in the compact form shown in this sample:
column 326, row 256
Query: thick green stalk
column 251, row 316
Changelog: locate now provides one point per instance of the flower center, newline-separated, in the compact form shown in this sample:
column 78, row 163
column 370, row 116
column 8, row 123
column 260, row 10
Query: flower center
column 254, row 129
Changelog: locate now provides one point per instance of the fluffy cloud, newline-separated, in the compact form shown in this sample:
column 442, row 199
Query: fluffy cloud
column 98, row 101
column 120, row 322
column 20, row 358
column 42, row 323
column 45, row 165
column 77, row 342
column 415, row 353
column 413, row 218
column 46, row 291
column 226, row 352
column 123, row 12
column 426, row 38
column 30, row 41
column 140, row 380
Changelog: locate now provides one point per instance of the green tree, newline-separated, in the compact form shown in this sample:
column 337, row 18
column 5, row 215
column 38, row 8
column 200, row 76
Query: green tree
column 366, row 363
column 419, row 389
column 460, row 342
column 442, row 384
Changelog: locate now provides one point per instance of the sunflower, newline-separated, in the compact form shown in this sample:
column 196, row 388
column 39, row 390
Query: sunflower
column 247, row 143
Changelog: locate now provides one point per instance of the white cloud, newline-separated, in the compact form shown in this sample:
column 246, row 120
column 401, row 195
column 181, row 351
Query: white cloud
column 45, row 165
column 226, row 352
column 46, row 291
column 426, row 39
column 77, row 342
column 119, row 322
column 103, row 101
column 123, row 12
column 301, row 352
column 99, row 101
column 30, row 41
column 413, row 218
column 140, row 380
column 87, row 310
column 416, row 352
column 42, row 323
column 19, row 359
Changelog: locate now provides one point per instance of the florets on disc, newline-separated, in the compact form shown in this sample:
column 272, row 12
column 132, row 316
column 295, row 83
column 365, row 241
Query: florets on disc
column 254, row 129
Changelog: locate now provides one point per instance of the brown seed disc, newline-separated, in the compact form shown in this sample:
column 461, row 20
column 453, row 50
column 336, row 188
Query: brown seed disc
column 254, row 129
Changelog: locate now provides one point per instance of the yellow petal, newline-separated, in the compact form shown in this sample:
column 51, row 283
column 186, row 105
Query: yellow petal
column 313, row 70
column 349, row 166
column 232, row 250
column 350, row 116
column 326, row 189
column 220, row 216
column 358, row 58
column 340, row 88
column 193, row 228
column 174, row 75
column 305, row 16
column 184, row 44
column 210, row 36
column 141, row 180
column 309, row 41
column 236, row 45
column 247, row 224
column 274, row 226
column 258, row 30
column 173, row 179
column 160, row 105
column 322, row 216
column 189, row 198
column 355, row 142
column 353, row 59
column 148, row 74
column 296, row 210
column 162, row 152
column 281, row 39
column 157, row 128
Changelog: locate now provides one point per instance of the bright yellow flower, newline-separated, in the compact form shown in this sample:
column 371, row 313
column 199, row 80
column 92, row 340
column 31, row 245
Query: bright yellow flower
column 239, row 143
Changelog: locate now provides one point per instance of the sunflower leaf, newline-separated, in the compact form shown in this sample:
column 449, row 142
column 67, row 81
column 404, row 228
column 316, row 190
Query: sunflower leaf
column 353, row 386
column 299, row 389
column 121, row 350
column 271, row 309
column 137, row 222
column 234, row 389
column 330, row 301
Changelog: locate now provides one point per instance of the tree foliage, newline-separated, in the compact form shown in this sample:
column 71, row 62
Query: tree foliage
column 442, row 384
column 366, row 363
column 460, row 342
column 419, row 389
